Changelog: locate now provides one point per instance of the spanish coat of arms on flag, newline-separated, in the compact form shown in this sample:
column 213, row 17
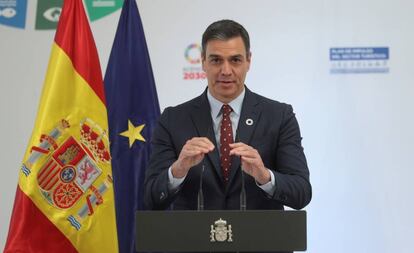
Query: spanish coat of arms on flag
column 65, row 197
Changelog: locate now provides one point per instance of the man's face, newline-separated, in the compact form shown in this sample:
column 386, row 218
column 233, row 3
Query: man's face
column 226, row 64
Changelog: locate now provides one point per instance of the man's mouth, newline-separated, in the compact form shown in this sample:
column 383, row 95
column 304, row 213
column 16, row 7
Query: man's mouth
column 225, row 81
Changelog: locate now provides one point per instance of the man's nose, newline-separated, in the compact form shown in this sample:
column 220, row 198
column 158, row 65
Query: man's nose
column 226, row 69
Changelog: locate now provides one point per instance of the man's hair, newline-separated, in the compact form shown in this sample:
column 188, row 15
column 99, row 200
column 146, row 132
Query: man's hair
column 224, row 30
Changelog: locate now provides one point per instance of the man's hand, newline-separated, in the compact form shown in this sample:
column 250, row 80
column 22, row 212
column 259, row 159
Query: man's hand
column 191, row 154
column 251, row 162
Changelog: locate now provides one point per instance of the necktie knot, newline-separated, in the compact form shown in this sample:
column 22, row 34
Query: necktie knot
column 226, row 109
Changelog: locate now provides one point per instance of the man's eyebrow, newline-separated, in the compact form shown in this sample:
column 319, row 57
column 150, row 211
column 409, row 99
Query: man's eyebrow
column 236, row 55
column 219, row 56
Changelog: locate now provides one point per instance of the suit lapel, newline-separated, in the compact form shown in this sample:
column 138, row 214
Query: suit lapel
column 249, row 117
column 201, row 117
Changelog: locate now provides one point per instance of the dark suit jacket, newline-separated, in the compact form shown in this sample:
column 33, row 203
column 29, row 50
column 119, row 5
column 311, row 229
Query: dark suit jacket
column 274, row 133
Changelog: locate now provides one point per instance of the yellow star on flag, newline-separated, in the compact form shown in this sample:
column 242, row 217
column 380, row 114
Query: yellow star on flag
column 133, row 133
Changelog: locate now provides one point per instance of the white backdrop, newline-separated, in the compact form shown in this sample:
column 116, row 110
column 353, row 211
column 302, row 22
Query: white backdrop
column 357, row 128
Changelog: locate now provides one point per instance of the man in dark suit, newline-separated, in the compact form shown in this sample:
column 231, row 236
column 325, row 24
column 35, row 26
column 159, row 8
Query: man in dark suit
column 227, row 128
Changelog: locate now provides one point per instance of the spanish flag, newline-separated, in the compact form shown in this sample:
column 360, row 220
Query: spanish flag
column 65, row 198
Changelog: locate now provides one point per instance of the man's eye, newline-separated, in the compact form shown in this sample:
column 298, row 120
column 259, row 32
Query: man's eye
column 215, row 60
column 236, row 60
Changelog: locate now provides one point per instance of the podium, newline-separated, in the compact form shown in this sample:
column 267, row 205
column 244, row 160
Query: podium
column 220, row 231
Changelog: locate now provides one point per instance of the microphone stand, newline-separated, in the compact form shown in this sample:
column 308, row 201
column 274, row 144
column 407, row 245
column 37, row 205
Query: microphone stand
column 200, row 196
column 243, row 188
column 243, row 191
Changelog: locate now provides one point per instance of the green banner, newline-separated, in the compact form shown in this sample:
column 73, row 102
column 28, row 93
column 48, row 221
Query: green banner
column 100, row 8
column 47, row 14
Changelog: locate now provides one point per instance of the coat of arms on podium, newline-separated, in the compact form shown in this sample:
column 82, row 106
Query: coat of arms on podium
column 221, row 232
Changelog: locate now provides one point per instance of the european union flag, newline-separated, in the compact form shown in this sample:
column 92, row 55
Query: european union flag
column 133, row 110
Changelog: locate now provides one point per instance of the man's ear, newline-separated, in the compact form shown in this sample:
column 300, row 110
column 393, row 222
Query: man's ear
column 203, row 60
column 249, row 59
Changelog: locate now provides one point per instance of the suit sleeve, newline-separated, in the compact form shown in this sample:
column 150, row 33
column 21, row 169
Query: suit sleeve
column 293, row 187
column 156, row 193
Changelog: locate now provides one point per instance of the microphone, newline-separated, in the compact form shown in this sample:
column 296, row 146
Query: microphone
column 200, row 196
column 243, row 190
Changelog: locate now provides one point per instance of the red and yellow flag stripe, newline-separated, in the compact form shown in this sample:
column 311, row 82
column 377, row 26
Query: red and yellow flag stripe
column 68, row 207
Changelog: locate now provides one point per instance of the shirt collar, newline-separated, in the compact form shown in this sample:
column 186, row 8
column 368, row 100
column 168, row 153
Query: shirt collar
column 215, row 105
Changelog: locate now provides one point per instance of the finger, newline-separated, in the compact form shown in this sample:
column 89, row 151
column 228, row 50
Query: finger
column 198, row 143
column 240, row 145
column 202, row 141
column 207, row 141
column 237, row 145
column 199, row 146
column 249, row 160
column 243, row 151
column 193, row 151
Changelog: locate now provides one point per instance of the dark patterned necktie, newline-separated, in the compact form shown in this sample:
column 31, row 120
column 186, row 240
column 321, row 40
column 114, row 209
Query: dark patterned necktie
column 226, row 137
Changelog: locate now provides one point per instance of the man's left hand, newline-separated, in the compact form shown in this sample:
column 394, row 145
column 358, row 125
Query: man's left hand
column 251, row 162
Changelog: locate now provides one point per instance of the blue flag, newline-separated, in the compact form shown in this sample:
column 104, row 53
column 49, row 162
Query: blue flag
column 133, row 110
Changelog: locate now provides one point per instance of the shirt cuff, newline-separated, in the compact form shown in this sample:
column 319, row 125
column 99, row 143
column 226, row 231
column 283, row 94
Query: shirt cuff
column 174, row 183
column 270, row 186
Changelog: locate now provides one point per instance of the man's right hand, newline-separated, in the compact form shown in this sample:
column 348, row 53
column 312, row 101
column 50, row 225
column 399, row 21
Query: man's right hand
column 191, row 154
